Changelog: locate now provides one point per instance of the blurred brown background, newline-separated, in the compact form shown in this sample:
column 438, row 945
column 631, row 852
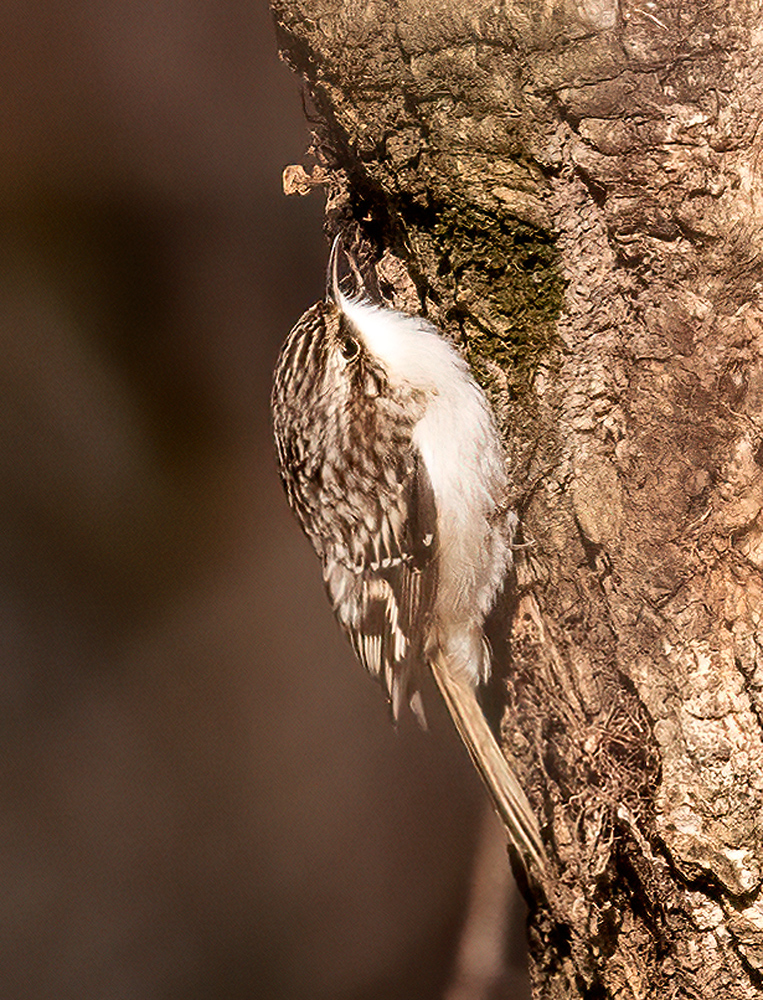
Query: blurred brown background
column 201, row 793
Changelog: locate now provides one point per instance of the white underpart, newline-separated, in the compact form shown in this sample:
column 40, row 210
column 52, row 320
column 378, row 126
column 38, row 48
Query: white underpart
column 462, row 451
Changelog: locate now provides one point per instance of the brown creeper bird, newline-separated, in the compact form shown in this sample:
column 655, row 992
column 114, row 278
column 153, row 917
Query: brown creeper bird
column 394, row 467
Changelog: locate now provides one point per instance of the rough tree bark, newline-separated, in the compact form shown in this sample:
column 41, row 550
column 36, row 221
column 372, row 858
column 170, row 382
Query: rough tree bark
column 573, row 192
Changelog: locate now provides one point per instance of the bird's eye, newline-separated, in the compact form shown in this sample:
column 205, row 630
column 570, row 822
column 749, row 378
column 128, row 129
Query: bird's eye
column 349, row 348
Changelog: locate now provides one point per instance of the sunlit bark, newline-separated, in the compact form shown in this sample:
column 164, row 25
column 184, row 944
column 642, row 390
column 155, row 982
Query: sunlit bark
column 575, row 193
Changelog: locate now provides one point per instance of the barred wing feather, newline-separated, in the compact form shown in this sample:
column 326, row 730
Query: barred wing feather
column 383, row 600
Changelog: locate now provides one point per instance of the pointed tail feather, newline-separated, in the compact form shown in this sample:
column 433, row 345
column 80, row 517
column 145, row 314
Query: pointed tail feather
column 509, row 799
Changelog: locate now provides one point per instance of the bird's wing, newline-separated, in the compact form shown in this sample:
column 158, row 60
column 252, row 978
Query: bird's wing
column 382, row 594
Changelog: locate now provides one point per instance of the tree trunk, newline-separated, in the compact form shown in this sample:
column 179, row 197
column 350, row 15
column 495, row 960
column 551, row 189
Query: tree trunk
column 573, row 192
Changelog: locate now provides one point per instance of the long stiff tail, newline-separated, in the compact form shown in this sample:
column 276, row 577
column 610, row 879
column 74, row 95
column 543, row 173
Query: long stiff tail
column 508, row 798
